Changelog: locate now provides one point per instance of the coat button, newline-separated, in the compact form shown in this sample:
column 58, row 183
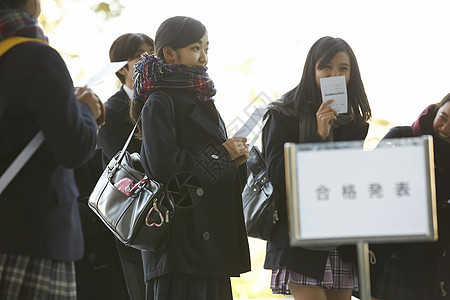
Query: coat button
column 200, row 192
column 214, row 156
column 205, row 235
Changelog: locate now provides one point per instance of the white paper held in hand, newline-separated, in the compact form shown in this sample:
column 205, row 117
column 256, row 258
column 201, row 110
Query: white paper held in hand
column 108, row 70
column 335, row 88
column 257, row 115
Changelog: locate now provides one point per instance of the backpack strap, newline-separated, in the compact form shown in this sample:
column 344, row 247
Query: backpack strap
column 8, row 43
column 37, row 140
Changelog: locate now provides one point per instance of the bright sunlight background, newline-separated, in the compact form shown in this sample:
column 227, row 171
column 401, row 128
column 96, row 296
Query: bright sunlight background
column 260, row 47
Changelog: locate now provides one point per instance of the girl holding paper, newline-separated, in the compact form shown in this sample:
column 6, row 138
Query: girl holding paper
column 420, row 270
column 183, row 135
column 300, row 116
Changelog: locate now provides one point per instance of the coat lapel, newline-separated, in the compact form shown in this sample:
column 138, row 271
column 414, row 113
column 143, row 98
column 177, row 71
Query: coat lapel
column 207, row 124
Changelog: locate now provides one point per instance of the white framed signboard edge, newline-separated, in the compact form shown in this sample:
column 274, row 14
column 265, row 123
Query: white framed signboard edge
column 425, row 159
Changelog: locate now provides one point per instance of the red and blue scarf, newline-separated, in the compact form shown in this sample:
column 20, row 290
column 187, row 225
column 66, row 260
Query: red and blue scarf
column 151, row 74
column 17, row 23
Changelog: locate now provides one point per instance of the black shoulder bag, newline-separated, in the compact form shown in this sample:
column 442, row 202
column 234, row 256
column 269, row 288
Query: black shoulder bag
column 259, row 198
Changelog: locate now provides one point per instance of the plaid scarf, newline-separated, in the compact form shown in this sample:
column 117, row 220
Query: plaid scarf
column 18, row 23
column 152, row 74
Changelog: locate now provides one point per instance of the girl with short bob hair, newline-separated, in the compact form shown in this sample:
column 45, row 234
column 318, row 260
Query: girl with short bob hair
column 300, row 117
column 184, row 140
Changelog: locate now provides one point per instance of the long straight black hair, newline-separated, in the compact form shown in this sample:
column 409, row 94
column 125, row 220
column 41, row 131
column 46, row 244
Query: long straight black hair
column 306, row 96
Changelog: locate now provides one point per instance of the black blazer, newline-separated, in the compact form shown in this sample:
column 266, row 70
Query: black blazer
column 209, row 238
column 38, row 210
column 113, row 134
column 279, row 130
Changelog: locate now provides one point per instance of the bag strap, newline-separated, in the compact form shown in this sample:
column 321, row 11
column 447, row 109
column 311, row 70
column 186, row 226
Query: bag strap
column 21, row 160
column 124, row 148
column 252, row 143
column 10, row 42
column 37, row 140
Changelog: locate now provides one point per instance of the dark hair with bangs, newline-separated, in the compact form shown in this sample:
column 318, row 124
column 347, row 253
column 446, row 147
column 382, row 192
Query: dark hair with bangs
column 178, row 32
column 436, row 109
column 125, row 48
column 307, row 95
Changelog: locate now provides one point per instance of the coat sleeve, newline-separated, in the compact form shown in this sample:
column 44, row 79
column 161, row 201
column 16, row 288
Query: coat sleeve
column 162, row 158
column 69, row 127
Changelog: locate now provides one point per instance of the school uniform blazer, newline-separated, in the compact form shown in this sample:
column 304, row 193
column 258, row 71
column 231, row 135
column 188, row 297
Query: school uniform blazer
column 114, row 133
column 208, row 238
column 38, row 210
column 279, row 130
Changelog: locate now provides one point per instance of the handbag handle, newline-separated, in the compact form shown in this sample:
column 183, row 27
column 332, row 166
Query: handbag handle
column 124, row 148
column 252, row 143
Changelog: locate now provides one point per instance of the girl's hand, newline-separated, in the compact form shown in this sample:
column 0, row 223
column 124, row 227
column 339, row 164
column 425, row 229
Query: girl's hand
column 325, row 119
column 86, row 95
column 241, row 159
column 238, row 149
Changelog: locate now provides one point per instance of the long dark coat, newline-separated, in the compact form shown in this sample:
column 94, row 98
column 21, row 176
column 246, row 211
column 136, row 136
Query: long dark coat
column 279, row 130
column 208, row 238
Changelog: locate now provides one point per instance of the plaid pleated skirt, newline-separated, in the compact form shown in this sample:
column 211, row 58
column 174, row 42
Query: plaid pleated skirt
column 338, row 275
column 24, row 277
column 188, row 287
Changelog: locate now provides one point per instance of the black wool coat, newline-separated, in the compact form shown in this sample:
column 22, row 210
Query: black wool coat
column 209, row 237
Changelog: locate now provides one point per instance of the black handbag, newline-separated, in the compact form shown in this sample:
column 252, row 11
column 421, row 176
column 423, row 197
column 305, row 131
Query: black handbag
column 133, row 207
column 259, row 199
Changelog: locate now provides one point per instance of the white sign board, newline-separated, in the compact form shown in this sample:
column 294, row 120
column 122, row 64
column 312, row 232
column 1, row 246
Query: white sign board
column 339, row 193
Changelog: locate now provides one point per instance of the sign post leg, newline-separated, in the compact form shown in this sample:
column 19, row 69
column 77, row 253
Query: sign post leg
column 362, row 249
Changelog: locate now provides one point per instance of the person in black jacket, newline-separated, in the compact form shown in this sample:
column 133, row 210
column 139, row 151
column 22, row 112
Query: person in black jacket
column 40, row 228
column 420, row 270
column 184, row 139
column 300, row 116
column 113, row 134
